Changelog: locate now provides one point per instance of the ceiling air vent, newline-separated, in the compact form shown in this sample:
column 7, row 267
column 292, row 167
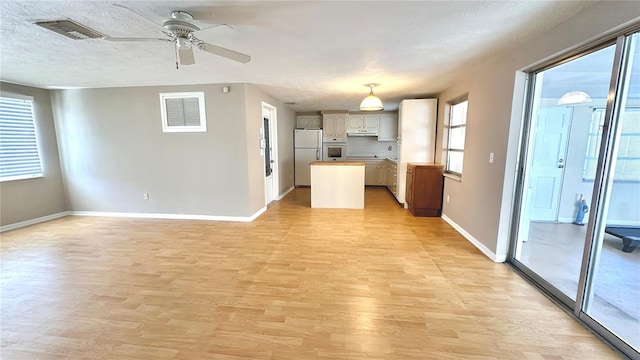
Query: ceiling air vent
column 70, row 29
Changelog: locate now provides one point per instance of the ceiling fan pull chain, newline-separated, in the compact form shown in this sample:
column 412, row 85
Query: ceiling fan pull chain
column 176, row 51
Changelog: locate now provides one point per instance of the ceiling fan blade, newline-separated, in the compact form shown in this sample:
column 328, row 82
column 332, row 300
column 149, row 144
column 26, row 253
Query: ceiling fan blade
column 227, row 53
column 185, row 54
column 136, row 39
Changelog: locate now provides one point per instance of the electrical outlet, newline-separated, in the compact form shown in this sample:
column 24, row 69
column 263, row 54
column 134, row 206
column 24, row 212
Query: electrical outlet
column 490, row 158
column 448, row 198
column 146, row 196
column 390, row 147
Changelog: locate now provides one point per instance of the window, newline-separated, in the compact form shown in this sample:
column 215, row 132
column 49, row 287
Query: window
column 455, row 128
column 183, row 112
column 19, row 156
column 628, row 160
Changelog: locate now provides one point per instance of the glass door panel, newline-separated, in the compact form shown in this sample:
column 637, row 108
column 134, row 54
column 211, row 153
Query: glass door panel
column 612, row 296
column 557, row 186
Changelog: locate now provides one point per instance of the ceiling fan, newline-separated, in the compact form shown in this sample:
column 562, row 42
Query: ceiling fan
column 181, row 30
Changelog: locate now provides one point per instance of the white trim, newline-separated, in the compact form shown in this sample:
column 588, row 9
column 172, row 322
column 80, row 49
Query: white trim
column 565, row 220
column 171, row 216
column 273, row 133
column 485, row 250
column 623, row 223
column 281, row 196
column 453, row 177
column 183, row 95
column 25, row 223
column 609, row 222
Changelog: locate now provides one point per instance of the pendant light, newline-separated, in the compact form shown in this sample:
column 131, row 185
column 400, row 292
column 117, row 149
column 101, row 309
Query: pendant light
column 574, row 98
column 371, row 102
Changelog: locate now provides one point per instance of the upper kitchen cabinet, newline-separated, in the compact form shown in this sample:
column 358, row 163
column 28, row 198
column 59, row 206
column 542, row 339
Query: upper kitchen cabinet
column 367, row 122
column 334, row 126
column 309, row 121
column 388, row 127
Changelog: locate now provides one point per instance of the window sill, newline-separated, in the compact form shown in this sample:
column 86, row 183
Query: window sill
column 453, row 177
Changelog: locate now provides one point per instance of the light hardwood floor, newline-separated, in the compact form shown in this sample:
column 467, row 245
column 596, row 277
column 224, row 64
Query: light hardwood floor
column 297, row 283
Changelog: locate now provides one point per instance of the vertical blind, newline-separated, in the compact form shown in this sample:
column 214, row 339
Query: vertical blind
column 19, row 157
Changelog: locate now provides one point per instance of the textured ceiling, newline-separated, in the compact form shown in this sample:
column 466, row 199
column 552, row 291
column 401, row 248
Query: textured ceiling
column 317, row 54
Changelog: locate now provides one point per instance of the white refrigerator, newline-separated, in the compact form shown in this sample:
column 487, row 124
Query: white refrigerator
column 307, row 145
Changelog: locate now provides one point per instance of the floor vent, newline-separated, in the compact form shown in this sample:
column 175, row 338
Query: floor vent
column 70, row 29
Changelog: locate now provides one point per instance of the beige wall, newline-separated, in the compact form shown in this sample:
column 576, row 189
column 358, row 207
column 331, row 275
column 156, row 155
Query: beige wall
column 481, row 202
column 114, row 150
column 23, row 200
column 286, row 121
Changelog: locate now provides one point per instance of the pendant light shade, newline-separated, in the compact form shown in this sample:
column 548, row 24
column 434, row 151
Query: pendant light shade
column 371, row 102
column 574, row 98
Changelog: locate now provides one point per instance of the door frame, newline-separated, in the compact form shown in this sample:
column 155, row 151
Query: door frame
column 599, row 194
column 273, row 141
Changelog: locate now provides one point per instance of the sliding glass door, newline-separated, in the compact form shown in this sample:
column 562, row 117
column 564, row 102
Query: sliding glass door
column 577, row 222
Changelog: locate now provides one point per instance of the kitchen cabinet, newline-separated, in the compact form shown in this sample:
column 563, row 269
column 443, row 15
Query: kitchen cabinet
column 337, row 185
column 369, row 122
column 309, row 121
column 370, row 172
column 334, row 127
column 424, row 182
column 416, row 137
column 388, row 127
column 375, row 173
column 381, row 173
column 392, row 177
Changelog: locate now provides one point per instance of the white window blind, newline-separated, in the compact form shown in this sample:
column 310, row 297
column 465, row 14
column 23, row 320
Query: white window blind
column 183, row 112
column 19, row 156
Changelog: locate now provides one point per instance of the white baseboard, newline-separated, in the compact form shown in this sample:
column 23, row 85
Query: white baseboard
column 612, row 222
column 133, row 215
column 171, row 216
column 623, row 223
column 22, row 224
column 285, row 193
column 485, row 250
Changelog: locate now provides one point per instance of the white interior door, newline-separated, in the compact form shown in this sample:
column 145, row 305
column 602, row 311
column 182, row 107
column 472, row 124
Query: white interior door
column 270, row 153
column 548, row 163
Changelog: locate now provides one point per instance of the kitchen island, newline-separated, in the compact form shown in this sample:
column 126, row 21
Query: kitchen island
column 337, row 184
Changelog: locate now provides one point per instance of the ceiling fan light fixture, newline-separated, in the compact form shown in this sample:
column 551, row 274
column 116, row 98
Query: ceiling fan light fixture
column 183, row 43
column 371, row 102
column 574, row 98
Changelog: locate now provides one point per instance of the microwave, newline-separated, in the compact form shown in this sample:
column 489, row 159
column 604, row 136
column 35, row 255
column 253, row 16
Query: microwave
column 334, row 152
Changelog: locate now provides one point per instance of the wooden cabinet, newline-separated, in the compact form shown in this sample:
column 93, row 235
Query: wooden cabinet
column 363, row 122
column 359, row 123
column 355, row 122
column 388, row 127
column 334, row 127
column 392, row 177
column 375, row 172
column 424, row 184
column 309, row 121
column 370, row 172
column 381, row 173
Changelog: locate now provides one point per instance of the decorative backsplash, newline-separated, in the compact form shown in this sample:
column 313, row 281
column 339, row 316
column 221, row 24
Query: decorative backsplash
column 370, row 146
